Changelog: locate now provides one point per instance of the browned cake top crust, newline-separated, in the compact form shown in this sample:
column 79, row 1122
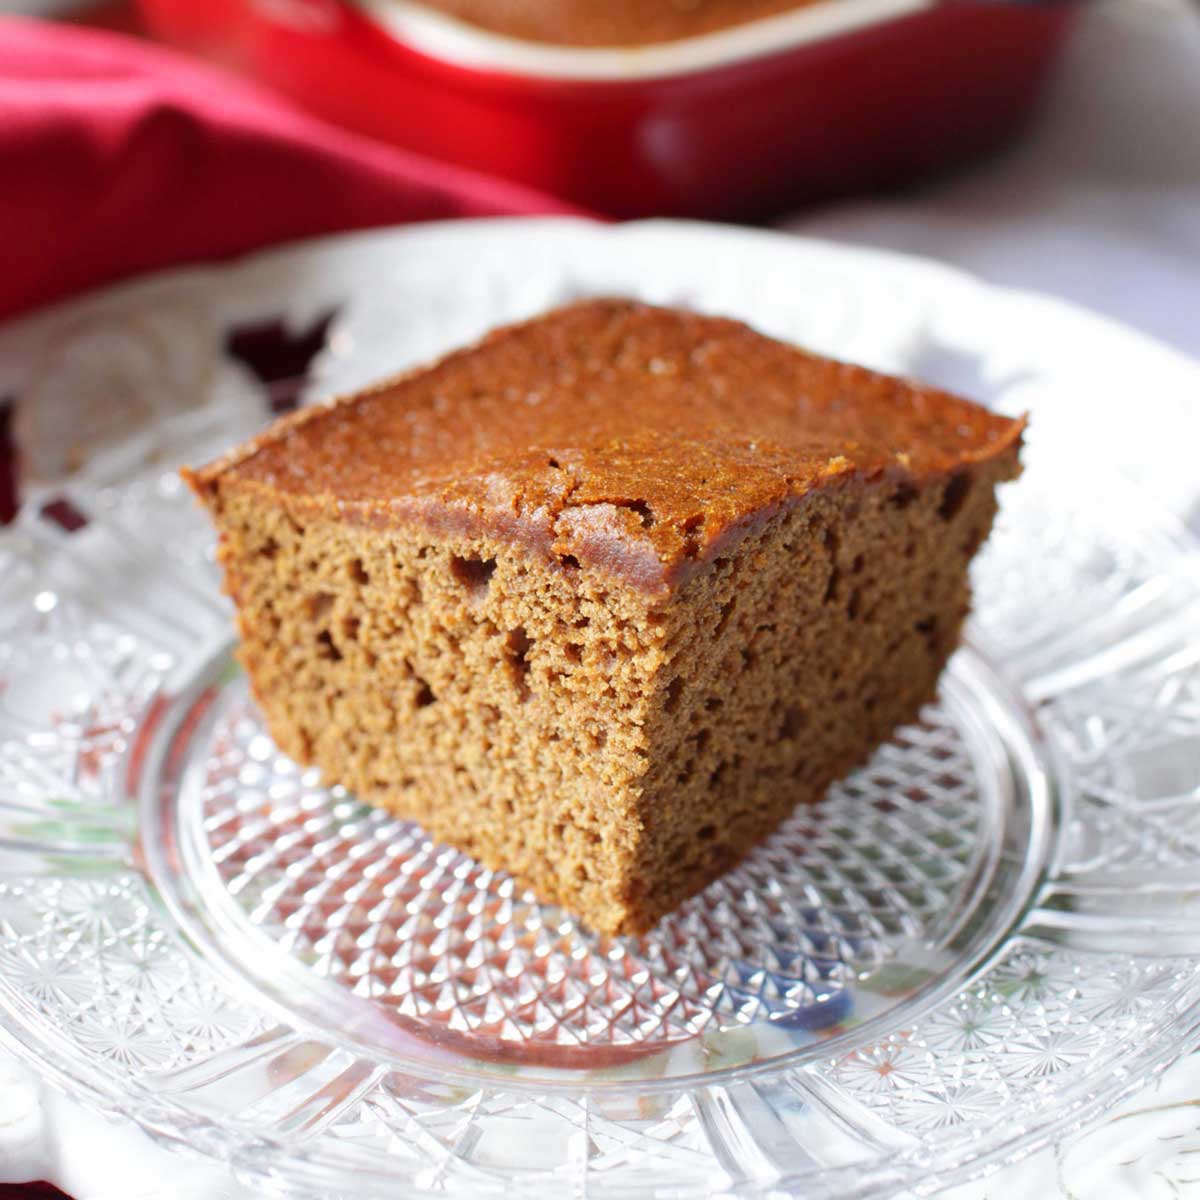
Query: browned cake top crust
column 610, row 22
column 610, row 433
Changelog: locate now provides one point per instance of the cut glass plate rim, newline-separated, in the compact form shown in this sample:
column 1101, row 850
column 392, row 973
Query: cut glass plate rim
column 1056, row 331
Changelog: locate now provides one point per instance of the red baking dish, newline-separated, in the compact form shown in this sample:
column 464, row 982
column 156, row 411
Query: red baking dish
column 833, row 97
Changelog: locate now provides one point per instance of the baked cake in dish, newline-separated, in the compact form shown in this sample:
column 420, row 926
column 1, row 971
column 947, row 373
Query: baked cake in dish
column 600, row 599
column 609, row 22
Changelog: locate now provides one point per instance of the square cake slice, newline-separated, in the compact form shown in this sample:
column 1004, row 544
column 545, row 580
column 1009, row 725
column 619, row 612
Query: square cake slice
column 600, row 599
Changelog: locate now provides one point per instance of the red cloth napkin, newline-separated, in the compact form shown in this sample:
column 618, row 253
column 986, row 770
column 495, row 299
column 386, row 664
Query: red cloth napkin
column 117, row 157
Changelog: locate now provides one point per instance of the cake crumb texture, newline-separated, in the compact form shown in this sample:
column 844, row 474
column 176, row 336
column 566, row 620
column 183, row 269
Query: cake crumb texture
column 527, row 669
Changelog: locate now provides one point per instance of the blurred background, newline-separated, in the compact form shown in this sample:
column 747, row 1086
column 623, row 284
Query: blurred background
column 1054, row 145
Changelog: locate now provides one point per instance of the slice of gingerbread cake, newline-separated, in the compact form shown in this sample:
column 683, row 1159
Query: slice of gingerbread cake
column 600, row 599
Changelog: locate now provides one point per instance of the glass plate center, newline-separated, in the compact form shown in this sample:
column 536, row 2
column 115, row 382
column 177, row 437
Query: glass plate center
column 893, row 887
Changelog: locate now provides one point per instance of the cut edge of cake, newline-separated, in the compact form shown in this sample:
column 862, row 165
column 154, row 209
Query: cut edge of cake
column 615, row 747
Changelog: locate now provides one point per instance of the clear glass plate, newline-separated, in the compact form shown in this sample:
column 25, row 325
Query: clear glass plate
column 984, row 937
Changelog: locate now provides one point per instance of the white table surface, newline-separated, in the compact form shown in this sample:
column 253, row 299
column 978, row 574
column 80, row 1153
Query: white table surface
column 1099, row 205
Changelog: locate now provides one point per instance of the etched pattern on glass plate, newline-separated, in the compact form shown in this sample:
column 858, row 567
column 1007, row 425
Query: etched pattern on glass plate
column 986, row 935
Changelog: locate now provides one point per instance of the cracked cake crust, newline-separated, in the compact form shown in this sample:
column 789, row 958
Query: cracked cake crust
column 632, row 438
